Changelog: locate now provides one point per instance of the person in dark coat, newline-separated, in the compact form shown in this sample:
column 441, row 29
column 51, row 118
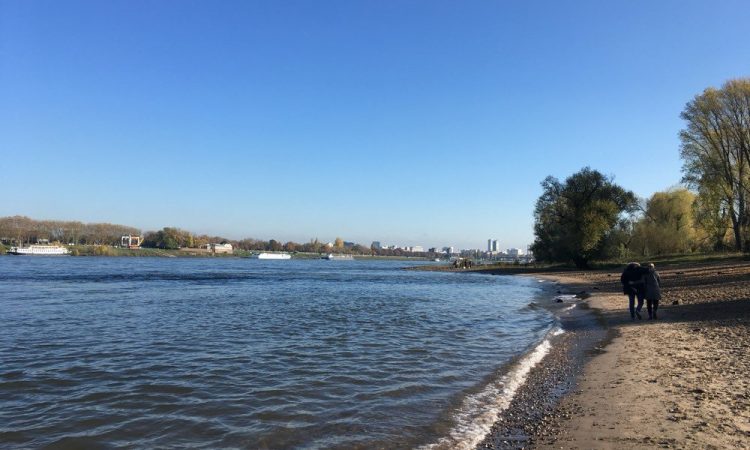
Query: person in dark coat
column 653, row 291
column 633, row 285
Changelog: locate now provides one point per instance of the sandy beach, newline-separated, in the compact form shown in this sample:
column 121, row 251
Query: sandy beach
column 678, row 382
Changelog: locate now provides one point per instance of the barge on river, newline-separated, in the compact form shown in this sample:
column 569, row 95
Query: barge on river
column 271, row 256
column 332, row 257
column 43, row 250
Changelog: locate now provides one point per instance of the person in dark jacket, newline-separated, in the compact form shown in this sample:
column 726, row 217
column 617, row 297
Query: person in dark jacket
column 653, row 291
column 633, row 285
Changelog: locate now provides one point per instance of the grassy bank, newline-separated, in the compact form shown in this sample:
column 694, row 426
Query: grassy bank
column 105, row 250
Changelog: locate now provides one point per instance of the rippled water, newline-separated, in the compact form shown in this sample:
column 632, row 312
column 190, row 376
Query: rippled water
column 237, row 353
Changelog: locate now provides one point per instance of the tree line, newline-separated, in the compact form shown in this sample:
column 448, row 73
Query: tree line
column 174, row 238
column 21, row 229
column 588, row 217
column 18, row 230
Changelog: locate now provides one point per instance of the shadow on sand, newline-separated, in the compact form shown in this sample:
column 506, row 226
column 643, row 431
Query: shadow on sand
column 715, row 311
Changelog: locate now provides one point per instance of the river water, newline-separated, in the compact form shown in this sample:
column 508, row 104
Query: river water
column 237, row 353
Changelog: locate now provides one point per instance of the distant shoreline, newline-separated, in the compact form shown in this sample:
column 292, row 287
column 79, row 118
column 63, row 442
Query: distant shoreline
column 144, row 252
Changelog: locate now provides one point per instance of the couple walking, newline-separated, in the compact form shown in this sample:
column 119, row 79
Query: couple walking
column 641, row 282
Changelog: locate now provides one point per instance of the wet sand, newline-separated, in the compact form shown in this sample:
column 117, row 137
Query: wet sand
column 678, row 382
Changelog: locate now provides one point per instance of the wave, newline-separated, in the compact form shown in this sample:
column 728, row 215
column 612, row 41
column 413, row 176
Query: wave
column 531, row 306
column 478, row 412
column 566, row 297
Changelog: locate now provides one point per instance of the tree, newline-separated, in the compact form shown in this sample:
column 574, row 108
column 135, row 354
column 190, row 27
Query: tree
column 274, row 245
column 573, row 219
column 715, row 148
column 311, row 247
column 667, row 225
column 710, row 211
column 338, row 243
column 166, row 238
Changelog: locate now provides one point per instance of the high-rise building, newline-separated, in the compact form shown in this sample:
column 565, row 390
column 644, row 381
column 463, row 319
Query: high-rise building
column 492, row 245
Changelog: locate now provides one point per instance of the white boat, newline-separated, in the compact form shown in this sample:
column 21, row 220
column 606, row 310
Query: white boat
column 45, row 250
column 332, row 257
column 271, row 256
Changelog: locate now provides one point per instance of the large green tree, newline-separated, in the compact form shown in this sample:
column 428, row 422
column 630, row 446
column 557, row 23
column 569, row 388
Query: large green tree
column 715, row 148
column 711, row 216
column 574, row 218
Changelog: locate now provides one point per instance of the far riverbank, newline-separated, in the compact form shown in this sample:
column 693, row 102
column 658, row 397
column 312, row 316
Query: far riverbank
column 105, row 250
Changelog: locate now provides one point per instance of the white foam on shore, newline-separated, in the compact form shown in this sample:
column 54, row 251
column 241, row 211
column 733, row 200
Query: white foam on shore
column 478, row 412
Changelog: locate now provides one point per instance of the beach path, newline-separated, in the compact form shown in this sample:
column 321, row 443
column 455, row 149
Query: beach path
column 679, row 382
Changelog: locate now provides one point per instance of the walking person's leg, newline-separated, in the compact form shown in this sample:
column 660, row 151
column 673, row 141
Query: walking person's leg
column 631, row 304
column 656, row 306
column 649, row 307
column 640, row 305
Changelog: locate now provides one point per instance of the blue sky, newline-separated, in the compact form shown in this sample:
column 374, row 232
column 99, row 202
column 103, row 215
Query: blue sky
column 409, row 122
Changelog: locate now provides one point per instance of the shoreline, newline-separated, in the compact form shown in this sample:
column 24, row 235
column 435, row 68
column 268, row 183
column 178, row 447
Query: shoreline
column 522, row 424
column 679, row 382
column 193, row 254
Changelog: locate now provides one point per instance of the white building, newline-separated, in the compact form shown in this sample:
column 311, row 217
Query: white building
column 221, row 248
column 129, row 241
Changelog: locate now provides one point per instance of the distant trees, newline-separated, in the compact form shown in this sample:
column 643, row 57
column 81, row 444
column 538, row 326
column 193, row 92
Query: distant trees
column 21, row 229
column 251, row 244
column 715, row 148
column 574, row 218
column 313, row 246
column 167, row 238
column 361, row 249
column 274, row 245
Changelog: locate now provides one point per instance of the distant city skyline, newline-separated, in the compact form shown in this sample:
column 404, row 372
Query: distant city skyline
column 425, row 123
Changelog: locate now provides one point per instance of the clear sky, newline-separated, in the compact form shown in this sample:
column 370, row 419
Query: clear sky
column 408, row 122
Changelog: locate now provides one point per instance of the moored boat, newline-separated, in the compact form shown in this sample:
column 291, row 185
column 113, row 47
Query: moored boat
column 265, row 255
column 43, row 250
column 332, row 257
